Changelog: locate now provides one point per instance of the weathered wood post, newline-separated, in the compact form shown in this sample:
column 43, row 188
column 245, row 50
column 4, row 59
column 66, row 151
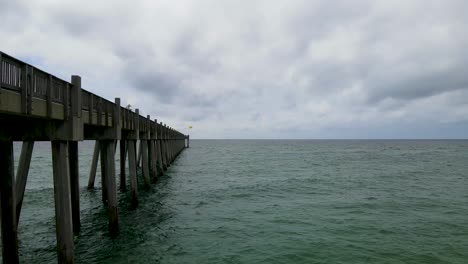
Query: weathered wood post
column 22, row 175
column 166, row 146
column 188, row 141
column 63, row 211
column 123, row 156
column 132, row 138
column 144, row 137
column 158, row 149
column 76, row 106
column 104, row 194
column 151, row 149
column 94, row 163
column 173, row 144
column 169, row 144
column 8, row 206
column 108, row 147
column 108, row 165
column 65, row 170
column 163, row 148
column 139, row 153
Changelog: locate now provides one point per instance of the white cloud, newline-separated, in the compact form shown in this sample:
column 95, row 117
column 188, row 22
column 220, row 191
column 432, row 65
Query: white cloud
column 260, row 68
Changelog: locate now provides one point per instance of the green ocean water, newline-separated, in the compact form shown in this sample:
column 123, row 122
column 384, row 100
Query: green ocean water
column 271, row 201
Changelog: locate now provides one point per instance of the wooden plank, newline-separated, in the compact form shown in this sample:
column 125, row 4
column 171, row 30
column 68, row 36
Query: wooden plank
column 123, row 156
column 7, row 202
column 92, row 173
column 22, row 175
column 132, row 169
column 63, row 213
column 74, row 184
column 108, row 164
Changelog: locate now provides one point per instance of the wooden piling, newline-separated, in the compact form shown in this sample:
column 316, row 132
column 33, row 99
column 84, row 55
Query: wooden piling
column 165, row 139
column 144, row 161
column 8, row 205
column 74, row 184
column 132, row 169
column 132, row 138
column 140, row 152
column 163, row 147
column 108, row 172
column 104, row 194
column 22, row 175
column 63, row 213
column 158, row 150
column 152, row 150
column 123, row 156
column 92, row 173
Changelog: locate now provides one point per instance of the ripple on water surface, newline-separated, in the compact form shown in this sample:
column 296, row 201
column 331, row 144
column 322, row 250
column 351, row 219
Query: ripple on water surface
column 271, row 202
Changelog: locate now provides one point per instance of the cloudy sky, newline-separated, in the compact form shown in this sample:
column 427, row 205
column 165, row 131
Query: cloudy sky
column 260, row 69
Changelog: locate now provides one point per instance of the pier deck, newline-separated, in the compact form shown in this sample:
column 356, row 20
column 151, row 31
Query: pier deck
column 37, row 106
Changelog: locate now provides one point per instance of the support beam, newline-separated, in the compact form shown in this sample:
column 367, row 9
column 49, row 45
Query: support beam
column 92, row 173
column 74, row 184
column 22, row 175
column 8, row 206
column 108, row 165
column 63, row 213
column 132, row 169
column 123, row 157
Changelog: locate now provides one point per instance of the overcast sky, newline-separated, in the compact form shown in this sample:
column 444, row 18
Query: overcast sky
column 260, row 69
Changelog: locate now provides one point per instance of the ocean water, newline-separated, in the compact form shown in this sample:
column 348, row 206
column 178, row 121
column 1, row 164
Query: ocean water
column 267, row 201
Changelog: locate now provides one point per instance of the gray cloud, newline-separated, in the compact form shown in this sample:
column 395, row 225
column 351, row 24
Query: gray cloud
column 284, row 69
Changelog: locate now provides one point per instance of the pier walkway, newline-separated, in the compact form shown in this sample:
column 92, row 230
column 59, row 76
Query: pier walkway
column 37, row 106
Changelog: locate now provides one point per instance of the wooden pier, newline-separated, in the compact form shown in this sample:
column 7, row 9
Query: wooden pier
column 37, row 106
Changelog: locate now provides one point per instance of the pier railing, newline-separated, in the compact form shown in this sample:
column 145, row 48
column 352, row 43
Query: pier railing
column 38, row 106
